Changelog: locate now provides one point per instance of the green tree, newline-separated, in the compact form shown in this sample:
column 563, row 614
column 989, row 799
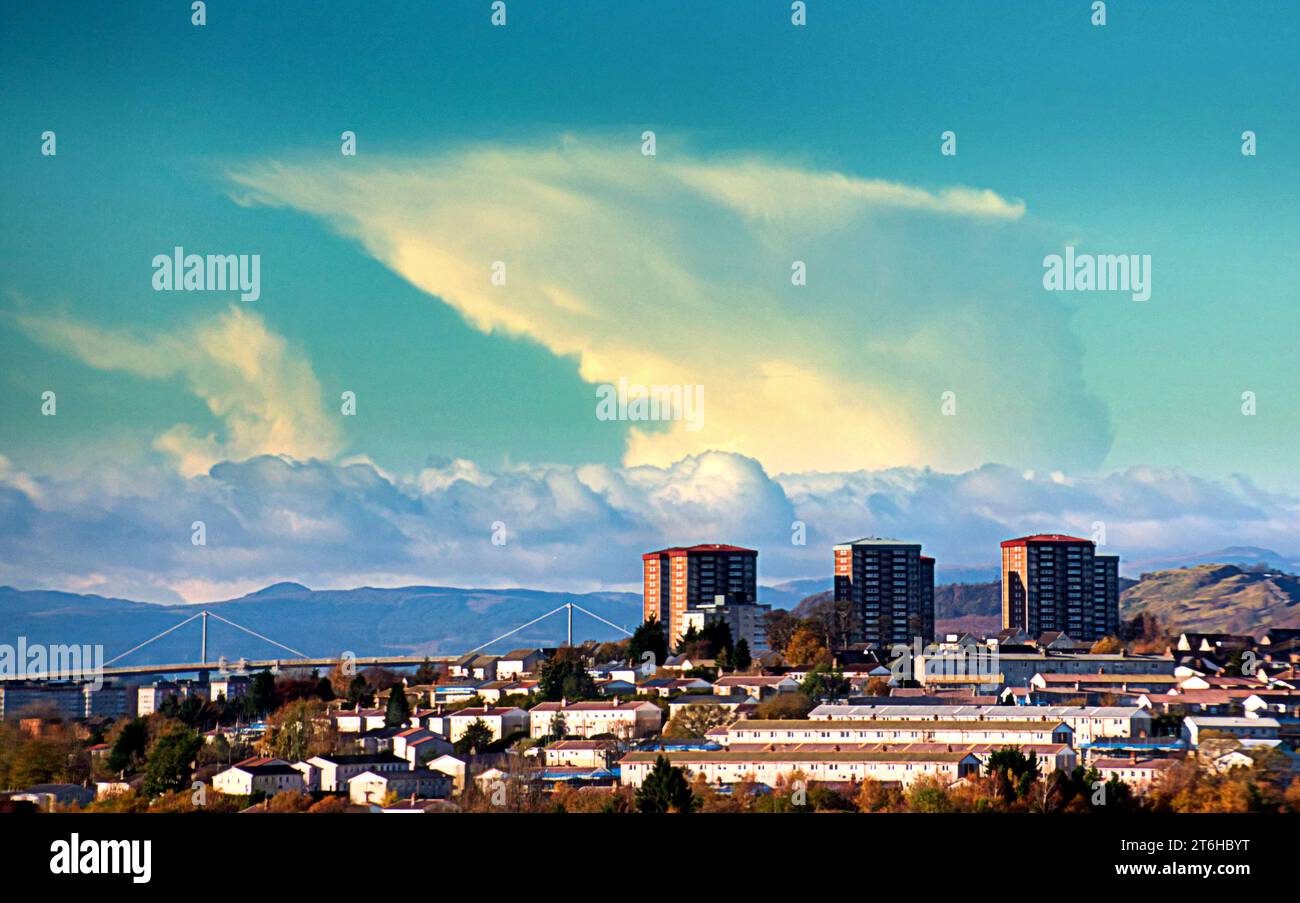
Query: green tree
column 1015, row 772
column 558, row 729
column 169, row 764
column 399, row 707
column 664, row 789
column 565, row 677
column 717, row 635
column 426, row 673
column 649, row 637
column 359, row 694
column 294, row 731
column 477, row 737
column 741, row 658
column 129, row 747
column 261, row 693
column 824, row 682
column 928, row 794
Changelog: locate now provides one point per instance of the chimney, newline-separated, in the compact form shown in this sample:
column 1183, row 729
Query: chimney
column 1132, row 758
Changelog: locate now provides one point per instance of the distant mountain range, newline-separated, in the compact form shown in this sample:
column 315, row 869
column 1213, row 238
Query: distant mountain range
column 1242, row 556
column 439, row 620
column 433, row 620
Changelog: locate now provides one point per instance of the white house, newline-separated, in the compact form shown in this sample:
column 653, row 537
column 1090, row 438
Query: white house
column 587, row 719
column 501, row 721
column 476, row 666
column 578, row 754
column 358, row 721
column 452, row 766
column 1138, row 773
column 1089, row 723
column 760, row 686
column 519, row 663
column 422, row 783
column 258, row 774
column 331, row 773
column 1194, row 726
column 417, row 745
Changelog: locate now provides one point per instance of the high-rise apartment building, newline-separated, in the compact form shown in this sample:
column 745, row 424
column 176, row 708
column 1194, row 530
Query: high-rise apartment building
column 890, row 586
column 680, row 579
column 1055, row 582
column 1105, row 593
column 926, row 616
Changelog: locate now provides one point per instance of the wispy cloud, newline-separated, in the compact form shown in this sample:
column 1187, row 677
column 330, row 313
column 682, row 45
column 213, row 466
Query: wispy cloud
column 266, row 397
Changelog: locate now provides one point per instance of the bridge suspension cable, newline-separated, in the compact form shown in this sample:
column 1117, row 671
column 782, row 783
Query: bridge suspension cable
column 258, row 635
column 205, row 614
column 570, row 606
column 151, row 639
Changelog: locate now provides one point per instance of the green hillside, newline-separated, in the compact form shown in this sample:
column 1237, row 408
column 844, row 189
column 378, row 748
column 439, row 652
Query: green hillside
column 1216, row 598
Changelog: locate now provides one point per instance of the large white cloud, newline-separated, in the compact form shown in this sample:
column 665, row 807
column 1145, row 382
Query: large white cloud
column 566, row 528
column 676, row 270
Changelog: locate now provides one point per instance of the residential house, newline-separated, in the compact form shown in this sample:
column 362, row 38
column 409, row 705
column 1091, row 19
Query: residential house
column 331, row 773
column 502, row 722
column 259, row 774
column 373, row 787
column 1138, row 773
column 519, row 663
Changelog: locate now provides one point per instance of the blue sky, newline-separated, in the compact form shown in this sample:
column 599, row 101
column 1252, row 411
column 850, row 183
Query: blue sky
column 775, row 143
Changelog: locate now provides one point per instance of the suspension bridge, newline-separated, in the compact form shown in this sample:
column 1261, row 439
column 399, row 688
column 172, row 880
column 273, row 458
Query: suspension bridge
column 297, row 659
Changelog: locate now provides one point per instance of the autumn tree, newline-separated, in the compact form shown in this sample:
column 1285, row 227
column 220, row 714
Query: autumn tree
column 806, row 648
column 298, row 731
column 695, row 721
column 784, row 706
column 1107, row 645
column 780, row 626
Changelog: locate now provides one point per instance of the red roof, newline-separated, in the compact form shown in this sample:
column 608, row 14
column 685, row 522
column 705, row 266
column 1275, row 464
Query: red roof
column 708, row 547
column 1045, row 537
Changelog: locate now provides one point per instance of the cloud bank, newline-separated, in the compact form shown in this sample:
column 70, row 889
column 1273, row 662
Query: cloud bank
column 568, row 528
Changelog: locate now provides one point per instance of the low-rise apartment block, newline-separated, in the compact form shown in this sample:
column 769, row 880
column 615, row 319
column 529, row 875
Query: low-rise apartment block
column 502, row 722
column 1089, row 723
column 845, row 766
column 588, row 719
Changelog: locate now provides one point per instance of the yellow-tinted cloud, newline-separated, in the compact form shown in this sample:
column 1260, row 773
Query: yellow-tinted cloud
column 677, row 271
column 267, row 399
